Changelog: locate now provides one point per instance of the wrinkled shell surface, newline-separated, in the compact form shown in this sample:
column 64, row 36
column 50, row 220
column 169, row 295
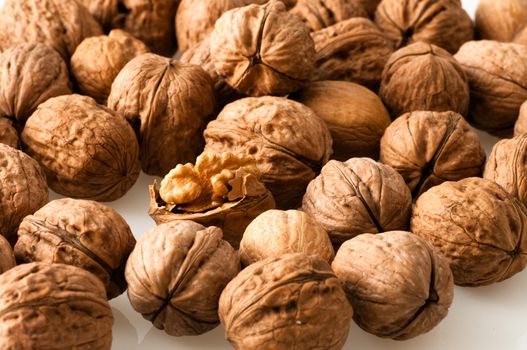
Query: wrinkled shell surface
column 501, row 20
column 7, row 259
column 290, row 302
column 319, row 14
column 176, row 274
column 520, row 127
column 369, row 5
column 8, row 134
column 479, row 227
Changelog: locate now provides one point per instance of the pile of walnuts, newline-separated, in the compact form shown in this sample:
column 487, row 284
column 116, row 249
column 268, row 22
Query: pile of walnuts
column 316, row 159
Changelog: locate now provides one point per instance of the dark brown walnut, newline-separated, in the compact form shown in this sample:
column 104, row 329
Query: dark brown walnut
column 24, row 189
column 355, row 116
column 176, row 274
column 263, row 50
column 97, row 61
column 496, row 73
column 428, row 148
column 478, row 226
column 319, row 14
column 288, row 302
column 86, row 150
column 443, row 23
column 168, row 103
column 53, row 306
column 520, row 127
column 82, row 233
column 7, row 259
column 358, row 196
column 8, row 133
column 501, row 20
column 424, row 77
column 59, row 24
column 288, row 140
column 398, row 285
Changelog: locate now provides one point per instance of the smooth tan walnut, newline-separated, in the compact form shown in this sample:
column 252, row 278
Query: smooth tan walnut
column 501, row 20
column 8, row 134
column 319, row 14
column 520, row 127
column 7, row 258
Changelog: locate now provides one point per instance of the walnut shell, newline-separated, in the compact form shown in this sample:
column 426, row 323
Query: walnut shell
column 520, row 127
column 443, row 23
column 319, row 14
column 479, row 227
column 358, row 196
column 289, row 302
column 97, row 61
column 501, row 20
column 8, row 134
column 369, row 5
column 7, row 259
column 176, row 274
column 82, row 233
column 53, row 307
column 398, row 285
column 86, row 150
column 428, row 148
column 263, row 50
column 169, row 102
column 288, row 140
column 357, row 125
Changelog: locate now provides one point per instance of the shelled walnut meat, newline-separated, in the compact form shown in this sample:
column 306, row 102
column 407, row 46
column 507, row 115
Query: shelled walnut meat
column 288, row 302
column 53, row 306
column 8, row 134
column 319, row 14
column 478, row 226
column 176, row 274
column 86, row 150
column 520, row 127
column 504, row 20
column 7, row 259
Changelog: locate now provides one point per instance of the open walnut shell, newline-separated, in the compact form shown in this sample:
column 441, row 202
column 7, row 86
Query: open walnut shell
column 7, row 258
column 319, row 14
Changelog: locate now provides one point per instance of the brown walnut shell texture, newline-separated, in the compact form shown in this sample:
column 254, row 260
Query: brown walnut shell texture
column 398, row 285
column 263, row 50
column 86, row 150
column 319, row 14
column 77, row 232
column 501, row 20
column 369, row 5
column 30, row 74
column 429, row 148
column 176, row 274
column 288, row 302
column 478, row 226
column 169, row 102
column 288, row 140
column 24, row 189
column 8, row 133
column 53, row 307
column 443, row 23
column 497, row 73
column 7, row 258
column 424, row 77
column 59, row 24
column 520, row 127
column 358, row 196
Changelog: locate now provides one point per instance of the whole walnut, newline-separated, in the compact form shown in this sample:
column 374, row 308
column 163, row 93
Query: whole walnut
column 59, row 24
column 288, row 140
column 358, row 123
column 53, row 306
column 86, row 150
column 398, row 285
column 424, row 77
column 24, row 189
column 263, row 50
column 443, row 23
column 478, row 226
column 97, row 61
column 358, row 196
column 176, row 274
column 319, row 14
column 7, row 259
column 428, row 148
column 169, row 103
column 289, row 302
column 277, row 232
column 520, row 127
column 82, row 233
column 501, row 20
column 496, row 73
column 8, row 133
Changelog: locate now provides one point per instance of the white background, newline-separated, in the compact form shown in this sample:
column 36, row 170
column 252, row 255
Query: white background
column 493, row 317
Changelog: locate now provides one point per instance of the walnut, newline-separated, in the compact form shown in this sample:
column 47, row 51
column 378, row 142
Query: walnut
column 289, row 302
column 496, row 73
column 60, row 24
column 97, row 61
column 8, row 133
column 169, row 102
column 478, row 226
column 86, row 150
column 424, row 77
column 319, row 14
column 443, row 23
column 55, row 306
column 520, row 127
column 358, row 196
column 357, row 125
column 369, row 5
column 428, row 148
column 7, row 259
column 501, row 20
column 354, row 50
column 398, row 285
column 176, row 274
column 288, row 140
column 263, row 50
